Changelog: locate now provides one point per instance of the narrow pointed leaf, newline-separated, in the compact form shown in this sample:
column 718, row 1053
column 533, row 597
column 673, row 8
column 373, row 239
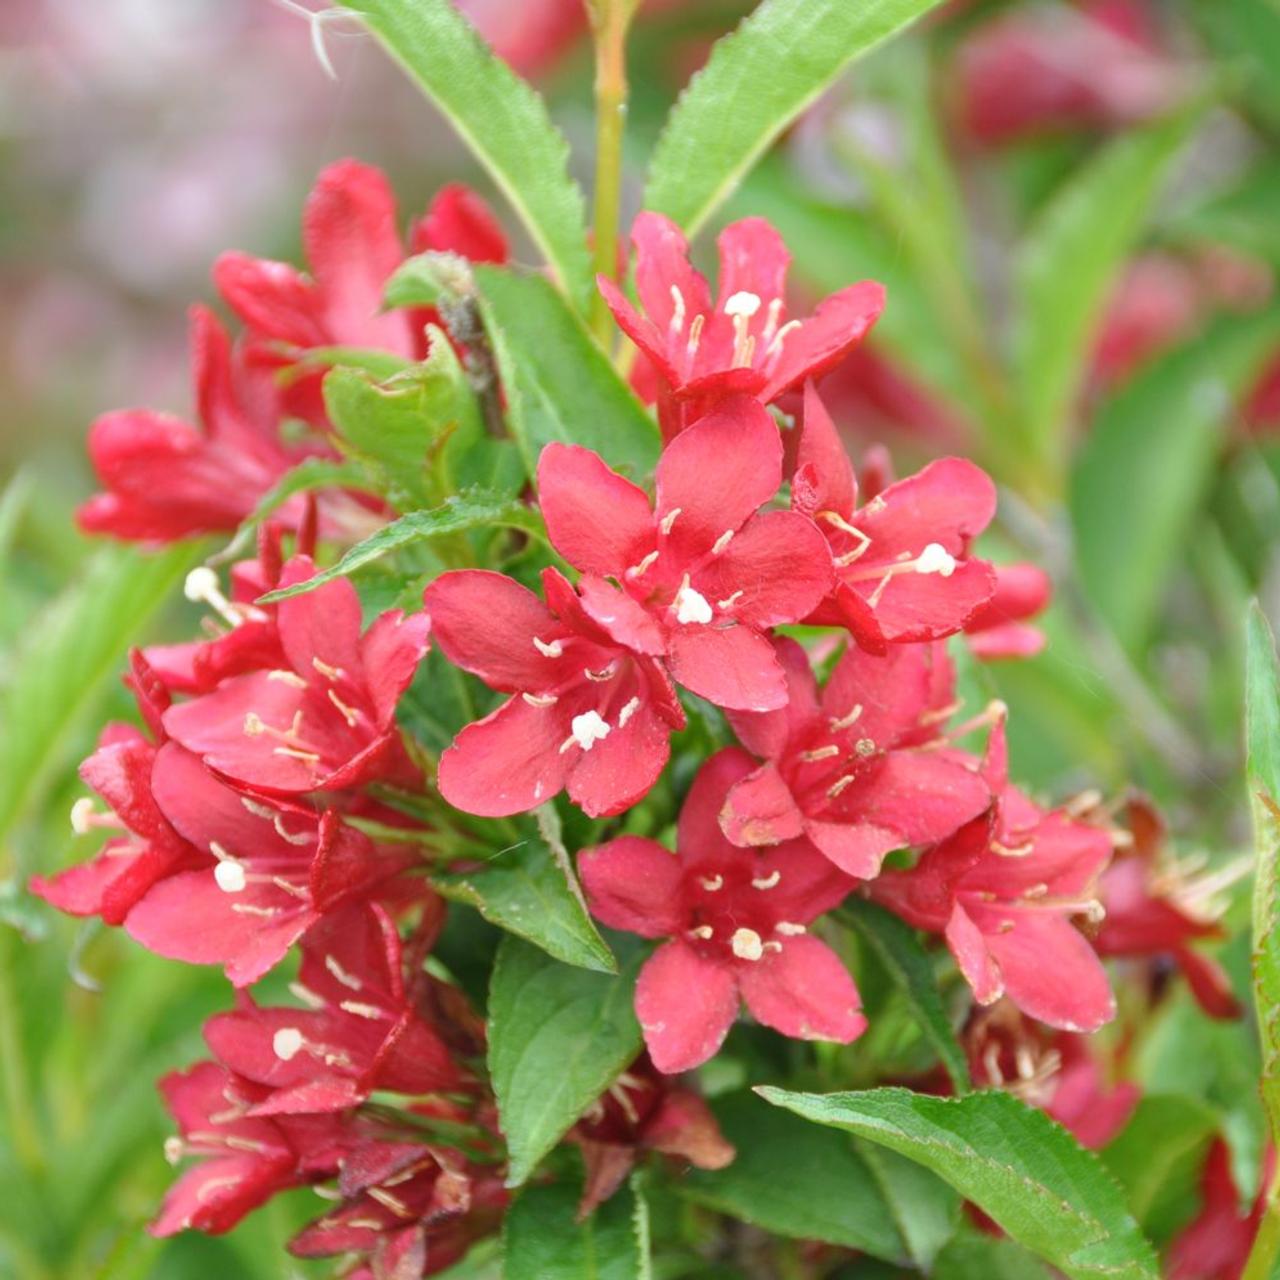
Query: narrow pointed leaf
column 500, row 117
column 1018, row 1166
column 757, row 81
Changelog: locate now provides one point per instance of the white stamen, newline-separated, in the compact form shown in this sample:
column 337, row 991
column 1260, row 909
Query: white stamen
column 348, row 980
column 637, row 570
column 286, row 1043
column 677, row 310
column 820, row 753
column 865, row 747
column 711, row 883
column 742, row 304
column 767, row 882
column 627, row 712
column 703, row 931
column 540, row 699
column 287, row 677
column 552, row 650
column 588, row 729
column 668, row 520
column 230, row 877
column 721, row 542
column 202, row 587
column 82, row 815
column 935, row 558
column 691, row 606
column 746, row 944
column 848, row 720
column 174, row 1149
column 788, row 929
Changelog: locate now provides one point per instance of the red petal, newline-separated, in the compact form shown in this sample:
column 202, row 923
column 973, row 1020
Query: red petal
column 662, row 264
column 768, row 733
column 620, row 617
column 640, row 330
column 509, row 762
column 598, row 521
column 803, row 991
column 717, row 474
column 698, row 834
column 753, row 259
column 760, row 810
column 686, row 1005
column 892, row 690
column 969, row 947
column 922, row 796
column 322, row 626
column 734, row 667
column 634, row 884
column 389, row 655
column 460, row 221
column 271, row 298
column 620, row 769
column 857, row 849
column 824, row 478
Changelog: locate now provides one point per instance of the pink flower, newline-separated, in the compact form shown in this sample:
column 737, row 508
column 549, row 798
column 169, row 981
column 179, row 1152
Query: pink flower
column 859, row 769
column 165, row 479
column 361, row 1030
column 643, row 1111
column 1155, row 909
column 1217, row 1244
column 592, row 709
column 903, row 570
column 711, row 572
column 353, row 245
column 327, row 719
column 248, row 1159
column 744, row 343
column 999, row 628
column 736, row 923
column 272, row 871
column 1004, row 891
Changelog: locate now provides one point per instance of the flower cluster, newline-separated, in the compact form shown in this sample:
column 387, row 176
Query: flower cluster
column 791, row 626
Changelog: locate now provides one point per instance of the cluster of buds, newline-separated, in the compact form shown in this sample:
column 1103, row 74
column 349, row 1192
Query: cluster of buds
column 263, row 809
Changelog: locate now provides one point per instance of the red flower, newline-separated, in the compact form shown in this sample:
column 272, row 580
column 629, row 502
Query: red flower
column 147, row 851
column 736, row 923
column 271, row 873
column 327, row 719
column 999, row 628
column 859, row 769
column 361, row 1031
column 903, row 571
column 744, row 343
column 711, row 572
column 1056, row 70
column 250, row 1158
column 353, row 246
column 643, row 1111
column 1004, row 890
column 592, row 709
column 1155, row 909
column 1217, row 1244
column 165, row 479
column 412, row 1209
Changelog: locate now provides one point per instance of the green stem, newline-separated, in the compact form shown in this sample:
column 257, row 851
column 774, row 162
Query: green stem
column 610, row 20
column 1266, row 1244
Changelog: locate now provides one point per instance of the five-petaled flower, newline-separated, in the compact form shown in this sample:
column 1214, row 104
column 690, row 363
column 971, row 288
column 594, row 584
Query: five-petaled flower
column 736, row 921
column 903, row 569
column 327, row 719
column 712, row 572
column 1004, row 890
column 860, row 768
column 744, row 343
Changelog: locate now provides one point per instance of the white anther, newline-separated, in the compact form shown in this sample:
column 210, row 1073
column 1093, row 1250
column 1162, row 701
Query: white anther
column 775, row 347
column 847, row 721
column 865, row 747
column 703, row 931
column 348, row 980
column 729, row 601
column 789, row 929
column 230, row 877
column 691, row 606
column 589, row 728
column 329, row 673
column 286, row 1043
column 552, row 650
column 202, row 587
column 747, row 944
column 695, row 334
column 668, row 520
column 721, row 542
column 677, row 309
column 174, row 1149
column 637, row 570
column 820, row 753
column 839, row 785
column 287, row 677
column 627, row 712
column 540, row 699
column 935, row 558
column 82, row 816
column 767, row 882
column 605, row 673
column 253, row 725
column 742, row 304
column 711, row 883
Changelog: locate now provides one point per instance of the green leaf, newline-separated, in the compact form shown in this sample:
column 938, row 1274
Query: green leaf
column 464, row 511
column 558, row 1037
column 56, row 679
column 559, row 384
column 1158, row 1155
column 1068, row 263
column 1262, row 736
column 1242, row 217
column 756, row 82
column 531, row 890
column 499, row 116
column 975, row 1257
column 796, row 1180
column 1147, row 463
column 898, row 948
column 543, row 1240
column 1013, row 1162
column 400, row 425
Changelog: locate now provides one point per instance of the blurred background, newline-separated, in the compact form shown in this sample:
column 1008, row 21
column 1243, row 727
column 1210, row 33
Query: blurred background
column 1076, row 207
